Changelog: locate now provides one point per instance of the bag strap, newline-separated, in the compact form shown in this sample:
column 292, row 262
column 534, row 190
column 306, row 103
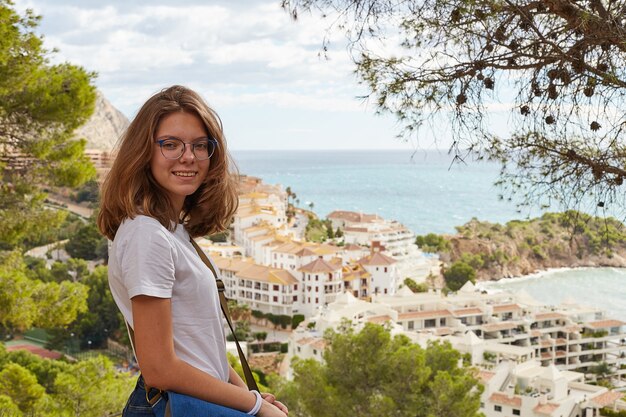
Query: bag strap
column 247, row 372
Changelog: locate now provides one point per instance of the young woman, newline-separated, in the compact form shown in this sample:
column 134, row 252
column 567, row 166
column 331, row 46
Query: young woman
column 171, row 181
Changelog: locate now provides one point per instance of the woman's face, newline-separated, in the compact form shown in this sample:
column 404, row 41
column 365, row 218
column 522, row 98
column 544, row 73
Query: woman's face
column 179, row 177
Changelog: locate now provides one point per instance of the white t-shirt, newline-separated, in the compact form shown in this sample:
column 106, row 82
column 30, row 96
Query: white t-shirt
column 148, row 259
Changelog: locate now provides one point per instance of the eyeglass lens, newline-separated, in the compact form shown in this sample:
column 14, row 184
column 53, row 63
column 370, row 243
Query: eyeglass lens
column 174, row 148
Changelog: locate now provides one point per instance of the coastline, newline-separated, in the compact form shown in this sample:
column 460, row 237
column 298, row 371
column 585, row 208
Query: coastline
column 597, row 287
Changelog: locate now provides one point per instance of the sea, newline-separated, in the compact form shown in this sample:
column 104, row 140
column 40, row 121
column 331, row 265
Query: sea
column 429, row 192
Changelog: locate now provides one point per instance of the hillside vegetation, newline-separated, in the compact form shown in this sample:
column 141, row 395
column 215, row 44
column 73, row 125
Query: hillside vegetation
column 554, row 240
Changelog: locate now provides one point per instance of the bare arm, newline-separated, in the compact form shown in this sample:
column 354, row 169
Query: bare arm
column 235, row 379
column 162, row 369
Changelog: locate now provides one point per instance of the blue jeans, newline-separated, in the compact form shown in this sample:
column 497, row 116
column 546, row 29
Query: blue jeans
column 138, row 406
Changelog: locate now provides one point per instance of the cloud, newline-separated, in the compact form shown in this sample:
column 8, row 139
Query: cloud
column 252, row 47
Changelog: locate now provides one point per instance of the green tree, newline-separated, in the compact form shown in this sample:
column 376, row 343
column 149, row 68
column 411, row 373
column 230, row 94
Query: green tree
column 458, row 274
column 40, row 106
column 432, row 243
column 21, row 386
column 369, row 373
column 414, row 286
column 25, row 302
column 98, row 322
column 558, row 66
column 93, row 388
column 86, row 243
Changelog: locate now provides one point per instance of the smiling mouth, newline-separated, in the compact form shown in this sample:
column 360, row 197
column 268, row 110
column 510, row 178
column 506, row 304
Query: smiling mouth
column 185, row 173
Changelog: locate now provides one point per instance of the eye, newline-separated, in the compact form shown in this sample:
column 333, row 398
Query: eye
column 201, row 146
column 170, row 144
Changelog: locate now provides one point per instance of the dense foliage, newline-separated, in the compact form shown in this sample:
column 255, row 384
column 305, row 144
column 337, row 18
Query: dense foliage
column 432, row 243
column 558, row 67
column 40, row 106
column 30, row 385
column 523, row 246
column 369, row 373
column 458, row 274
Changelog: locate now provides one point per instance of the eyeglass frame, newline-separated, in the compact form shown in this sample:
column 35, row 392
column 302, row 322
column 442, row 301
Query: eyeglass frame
column 209, row 139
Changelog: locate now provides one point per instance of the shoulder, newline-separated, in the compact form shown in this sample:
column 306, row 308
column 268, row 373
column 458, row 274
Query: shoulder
column 141, row 224
column 144, row 231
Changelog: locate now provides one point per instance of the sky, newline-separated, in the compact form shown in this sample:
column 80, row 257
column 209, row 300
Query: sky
column 260, row 70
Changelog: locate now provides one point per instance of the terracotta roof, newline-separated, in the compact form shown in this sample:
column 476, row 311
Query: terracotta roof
column 607, row 398
column 305, row 252
column 352, row 216
column 319, row 344
column 549, row 316
column 379, row 319
column 495, row 327
column 265, row 274
column 282, row 276
column 505, row 308
column 289, row 247
column 470, row 311
column 305, row 340
column 324, row 249
column 377, row 259
column 602, row 324
column 261, row 238
column 356, row 229
column 352, row 247
column 545, row 409
column 443, row 331
column 319, row 265
column 231, row 264
column 429, row 314
column 485, row 376
column 504, row 399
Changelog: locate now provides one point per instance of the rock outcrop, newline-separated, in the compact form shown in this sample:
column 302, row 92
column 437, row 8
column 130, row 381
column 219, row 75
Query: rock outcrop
column 104, row 127
column 555, row 240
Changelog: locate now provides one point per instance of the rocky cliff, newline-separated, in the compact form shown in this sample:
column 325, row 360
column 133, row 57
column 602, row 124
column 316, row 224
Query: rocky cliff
column 554, row 240
column 104, row 127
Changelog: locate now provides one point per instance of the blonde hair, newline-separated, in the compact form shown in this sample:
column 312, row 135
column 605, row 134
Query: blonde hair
column 130, row 188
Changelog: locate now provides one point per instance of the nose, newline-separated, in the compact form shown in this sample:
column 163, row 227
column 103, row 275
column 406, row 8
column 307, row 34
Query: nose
column 187, row 153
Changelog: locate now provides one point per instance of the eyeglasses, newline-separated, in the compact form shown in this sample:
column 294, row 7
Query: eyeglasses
column 174, row 148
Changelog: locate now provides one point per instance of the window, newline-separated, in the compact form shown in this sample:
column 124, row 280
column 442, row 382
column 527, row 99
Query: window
column 385, row 290
column 411, row 325
column 317, row 300
column 442, row 322
column 497, row 408
column 430, row 323
column 315, row 351
column 295, row 298
column 385, row 269
column 275, row 288
column 295, row 287
column 317, row 278
column 516, row 412
column 275, row 298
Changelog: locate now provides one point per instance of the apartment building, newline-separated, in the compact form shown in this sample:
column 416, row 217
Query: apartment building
column 271, row 290
column 530, row 389
column 496, row 327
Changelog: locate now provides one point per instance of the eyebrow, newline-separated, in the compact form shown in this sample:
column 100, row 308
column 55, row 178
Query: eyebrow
column 176, row 137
